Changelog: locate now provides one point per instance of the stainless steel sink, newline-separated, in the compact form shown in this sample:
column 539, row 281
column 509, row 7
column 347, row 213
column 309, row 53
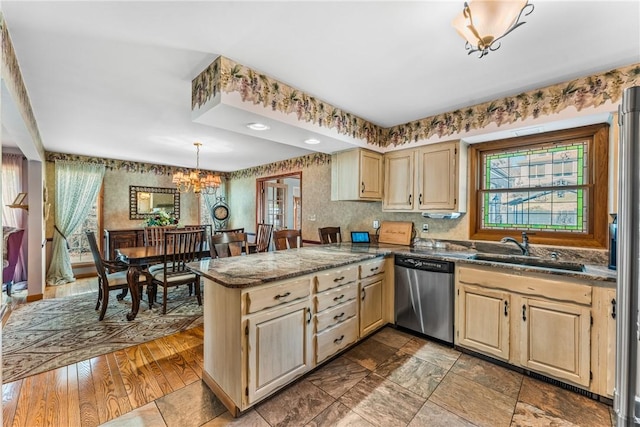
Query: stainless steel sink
column 529, row 261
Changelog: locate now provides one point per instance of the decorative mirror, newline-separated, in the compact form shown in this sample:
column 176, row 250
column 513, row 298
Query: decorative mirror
column 145, row 202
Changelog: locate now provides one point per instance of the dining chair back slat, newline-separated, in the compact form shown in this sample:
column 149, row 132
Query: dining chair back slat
column 154, row 235
column 229, row 230
column 287, row 239
column 330, row 235
column 263, row 237
column 229, row 244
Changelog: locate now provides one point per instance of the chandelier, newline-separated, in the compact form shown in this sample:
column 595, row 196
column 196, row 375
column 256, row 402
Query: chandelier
column 196, row 181
column 483, row 23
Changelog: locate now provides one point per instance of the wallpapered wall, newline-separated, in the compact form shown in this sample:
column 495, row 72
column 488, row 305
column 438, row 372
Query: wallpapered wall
column 316, row 201
column 119, row 175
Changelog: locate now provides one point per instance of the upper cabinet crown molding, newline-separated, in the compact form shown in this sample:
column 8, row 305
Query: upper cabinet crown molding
column 356, row 175
column 432, row 178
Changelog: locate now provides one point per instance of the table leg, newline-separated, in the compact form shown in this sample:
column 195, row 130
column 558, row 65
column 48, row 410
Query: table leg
column 132, row 280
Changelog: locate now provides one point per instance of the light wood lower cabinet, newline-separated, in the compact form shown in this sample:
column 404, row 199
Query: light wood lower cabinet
column 258, row 339
column 371, row 316
column 555, row 339
column 540, row 324
column 484, row 320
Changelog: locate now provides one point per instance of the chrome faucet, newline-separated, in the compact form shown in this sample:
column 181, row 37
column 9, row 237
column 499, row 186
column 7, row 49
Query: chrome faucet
column 524, row 246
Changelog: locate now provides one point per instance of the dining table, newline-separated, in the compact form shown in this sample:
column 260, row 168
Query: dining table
column 139, row 259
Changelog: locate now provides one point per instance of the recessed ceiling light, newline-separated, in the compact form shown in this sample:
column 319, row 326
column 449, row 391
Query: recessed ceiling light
column 312, row 141
column 258, row 126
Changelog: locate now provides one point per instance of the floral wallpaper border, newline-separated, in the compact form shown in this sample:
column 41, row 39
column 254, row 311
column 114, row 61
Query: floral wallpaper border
column 284, row 166
column 225, row 75
column 124, row 165
column 13, row 78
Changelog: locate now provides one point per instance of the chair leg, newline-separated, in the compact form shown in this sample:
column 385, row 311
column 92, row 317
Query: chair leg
column 198, row 293
column 122, row 294
column 9, row 285
column 164, row 299
column 105, row 302
column 99, row 294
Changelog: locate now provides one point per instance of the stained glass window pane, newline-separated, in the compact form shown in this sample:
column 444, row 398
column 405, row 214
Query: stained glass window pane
column 536, row 189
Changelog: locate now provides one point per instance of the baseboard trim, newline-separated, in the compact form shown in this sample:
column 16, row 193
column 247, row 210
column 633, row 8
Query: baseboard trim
column 36, row 297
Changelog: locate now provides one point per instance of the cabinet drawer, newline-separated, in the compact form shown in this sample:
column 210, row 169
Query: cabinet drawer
column 336, row 315
column 334, row 278
column 335, row 296
column 335, row 339
column 261, row 298
column 372, row 268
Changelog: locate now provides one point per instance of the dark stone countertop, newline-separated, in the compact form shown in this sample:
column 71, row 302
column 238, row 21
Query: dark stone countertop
column 258, row 269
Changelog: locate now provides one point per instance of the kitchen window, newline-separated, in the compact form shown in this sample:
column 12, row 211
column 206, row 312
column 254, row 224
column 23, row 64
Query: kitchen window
column 553, row 185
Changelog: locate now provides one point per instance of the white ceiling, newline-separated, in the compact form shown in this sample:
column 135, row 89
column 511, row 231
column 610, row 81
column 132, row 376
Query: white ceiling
column 113, row 79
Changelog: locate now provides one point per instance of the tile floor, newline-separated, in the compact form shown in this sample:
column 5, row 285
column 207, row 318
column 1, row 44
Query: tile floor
column 390, row 379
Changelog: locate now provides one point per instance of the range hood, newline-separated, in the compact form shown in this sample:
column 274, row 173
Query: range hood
column 442, row 215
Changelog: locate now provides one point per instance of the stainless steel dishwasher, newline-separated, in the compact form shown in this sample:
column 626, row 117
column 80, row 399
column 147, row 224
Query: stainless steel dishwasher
column 424, row 295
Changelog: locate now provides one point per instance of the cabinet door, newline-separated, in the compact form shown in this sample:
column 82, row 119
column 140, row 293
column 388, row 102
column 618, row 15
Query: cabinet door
column 370, row 175
column 555, row 339
column 437, row 176
column 370, row 305
column 610, row 380
column 483, row 320
column 398, row 181
column 279, row 348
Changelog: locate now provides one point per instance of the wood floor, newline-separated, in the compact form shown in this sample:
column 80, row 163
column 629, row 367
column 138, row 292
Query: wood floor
column 95, row 391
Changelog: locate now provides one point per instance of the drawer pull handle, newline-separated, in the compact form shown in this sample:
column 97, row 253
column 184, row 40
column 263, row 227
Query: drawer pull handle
column 309, row 313
column 339, row 298
column 338, row 340
column 506, row 305
column 338, row 316
column 277, row 297
column 613, row 308
column 524, row 312
column 374, row 268
column 364, row 294
column 362, row 187
column 337, row 279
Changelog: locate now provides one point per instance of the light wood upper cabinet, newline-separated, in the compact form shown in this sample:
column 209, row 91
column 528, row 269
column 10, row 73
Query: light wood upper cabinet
column 399, row 170
column 438, row 177
column 429, row 178
column 356, row 175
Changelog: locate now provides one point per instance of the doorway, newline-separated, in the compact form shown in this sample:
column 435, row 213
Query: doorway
column 279, row 201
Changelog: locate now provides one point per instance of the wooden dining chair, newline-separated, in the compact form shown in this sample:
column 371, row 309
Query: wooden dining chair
column 287, row 239
column 108, row 282
column 229, row 244
column 180, row 248
column 330, row 235
column 263, row 237
column 154, row 235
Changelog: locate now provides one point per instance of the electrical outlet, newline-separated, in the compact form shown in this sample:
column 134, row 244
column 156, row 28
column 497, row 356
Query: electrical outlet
column 425, row 227
column 376, row 223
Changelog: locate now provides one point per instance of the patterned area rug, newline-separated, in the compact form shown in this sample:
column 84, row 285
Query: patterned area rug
column 51, row 333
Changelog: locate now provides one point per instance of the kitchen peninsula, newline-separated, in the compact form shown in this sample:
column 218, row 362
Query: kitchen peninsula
column 271, row 317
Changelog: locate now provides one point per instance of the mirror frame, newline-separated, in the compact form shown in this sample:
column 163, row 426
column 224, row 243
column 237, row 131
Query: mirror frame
column 133, row 201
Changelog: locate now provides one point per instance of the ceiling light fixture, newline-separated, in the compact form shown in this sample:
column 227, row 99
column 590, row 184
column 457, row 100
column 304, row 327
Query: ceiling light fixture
column 312, row 141
column 197, row 181
column 483, row 23
column 258, row 126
